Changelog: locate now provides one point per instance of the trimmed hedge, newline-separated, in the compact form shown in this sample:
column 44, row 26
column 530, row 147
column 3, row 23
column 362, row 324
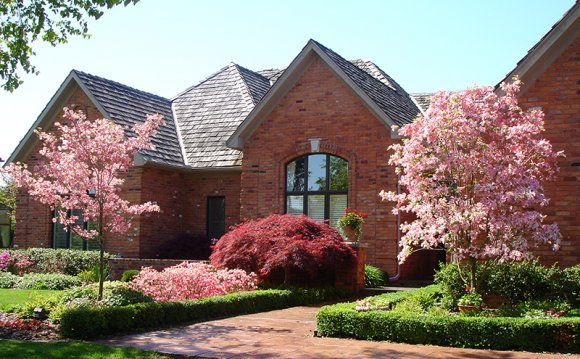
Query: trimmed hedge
column 503, row 333
column 87, row 323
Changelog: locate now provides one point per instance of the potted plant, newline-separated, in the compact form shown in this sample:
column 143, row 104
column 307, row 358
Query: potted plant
column 470, row 302
column 350, row 224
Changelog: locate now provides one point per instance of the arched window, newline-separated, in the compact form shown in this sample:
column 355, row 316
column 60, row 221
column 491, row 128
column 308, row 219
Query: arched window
column 317, row 185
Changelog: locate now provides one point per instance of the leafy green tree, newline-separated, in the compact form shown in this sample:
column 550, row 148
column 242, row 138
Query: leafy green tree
column 23, row 22
column 8, row 192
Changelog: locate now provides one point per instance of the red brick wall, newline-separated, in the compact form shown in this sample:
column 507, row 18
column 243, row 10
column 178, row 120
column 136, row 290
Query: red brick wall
column 199, row 187
column 320, row 105
column 168, row 189
column 557, row 92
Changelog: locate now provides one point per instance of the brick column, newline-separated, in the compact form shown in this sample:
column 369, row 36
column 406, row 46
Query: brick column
column 353, row 278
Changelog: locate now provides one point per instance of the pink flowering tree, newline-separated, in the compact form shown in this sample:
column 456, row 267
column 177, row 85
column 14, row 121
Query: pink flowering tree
column 472, row 169
column 83, row 168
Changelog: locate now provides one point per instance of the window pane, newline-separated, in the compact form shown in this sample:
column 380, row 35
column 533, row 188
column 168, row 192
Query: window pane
column 93, row 244
column 316, row 207
column 77, row 242
column 60, row 237
column 338, row 174
column 317, row 172
column 295, row 204
column 295, row 175
column 338, row 202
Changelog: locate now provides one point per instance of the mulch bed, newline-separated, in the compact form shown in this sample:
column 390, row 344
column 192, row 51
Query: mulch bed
column 11, row 327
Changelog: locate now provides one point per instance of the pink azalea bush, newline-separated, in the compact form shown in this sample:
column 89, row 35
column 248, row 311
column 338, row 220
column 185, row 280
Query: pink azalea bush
column 16, row 263
column 191, row 281
column 472, row 170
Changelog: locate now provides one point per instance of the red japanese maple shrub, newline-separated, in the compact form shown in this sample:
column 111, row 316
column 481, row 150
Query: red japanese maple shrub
column 285, row 249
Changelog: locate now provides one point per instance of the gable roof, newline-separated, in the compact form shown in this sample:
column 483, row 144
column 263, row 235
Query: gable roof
column 382, row 95
column 122, row 104
column 209, row 112
column 547, row 50
column 126, row 106
column 203, row 117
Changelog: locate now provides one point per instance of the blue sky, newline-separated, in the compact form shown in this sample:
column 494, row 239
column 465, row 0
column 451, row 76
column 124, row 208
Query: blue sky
column 165, row 46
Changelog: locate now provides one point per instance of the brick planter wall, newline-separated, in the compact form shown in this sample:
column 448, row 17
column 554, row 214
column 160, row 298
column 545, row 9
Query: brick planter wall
column 118, row 265
column 353, row 278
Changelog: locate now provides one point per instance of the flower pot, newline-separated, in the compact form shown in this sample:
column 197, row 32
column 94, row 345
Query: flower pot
column 350, row 234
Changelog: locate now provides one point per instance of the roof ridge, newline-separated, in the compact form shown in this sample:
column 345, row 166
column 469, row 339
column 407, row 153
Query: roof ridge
column 200, row 82
column 396, row 92
column 79, row 72
column 245, row 86
column 376, row 70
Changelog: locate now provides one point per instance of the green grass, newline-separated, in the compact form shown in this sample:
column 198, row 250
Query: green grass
column 11, row 297
column 78, row 350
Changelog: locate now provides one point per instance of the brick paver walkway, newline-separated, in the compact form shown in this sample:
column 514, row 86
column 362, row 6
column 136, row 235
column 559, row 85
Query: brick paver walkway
column 288, row 333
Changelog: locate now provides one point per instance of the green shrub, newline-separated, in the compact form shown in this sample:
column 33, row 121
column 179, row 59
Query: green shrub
column 65, row 261
column 129, row 274
column 374, row 277
column 8, row 280
column 91, row 322
column 569, row 285
column 516, row 282
column 48, row 281
column 114, row 294
column 342, row 320
column 121, row 295
column 46, row 303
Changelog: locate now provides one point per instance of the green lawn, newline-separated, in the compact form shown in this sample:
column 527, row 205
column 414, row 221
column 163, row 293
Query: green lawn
column 78, row 350
column 9, row 297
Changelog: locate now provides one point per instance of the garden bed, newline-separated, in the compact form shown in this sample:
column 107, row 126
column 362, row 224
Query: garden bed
column 437, row 327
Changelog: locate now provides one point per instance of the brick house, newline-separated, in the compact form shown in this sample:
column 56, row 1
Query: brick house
column 311, row 138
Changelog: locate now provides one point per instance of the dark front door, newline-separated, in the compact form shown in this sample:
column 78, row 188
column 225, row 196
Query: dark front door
column 216, row 217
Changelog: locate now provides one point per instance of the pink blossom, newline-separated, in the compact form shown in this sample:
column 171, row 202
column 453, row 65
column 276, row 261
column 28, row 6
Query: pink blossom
column 191, row 281
column 85, row 156
column 472, row 169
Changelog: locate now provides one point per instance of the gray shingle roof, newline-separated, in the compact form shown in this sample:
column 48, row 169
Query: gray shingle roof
column 381, row 88
column 127, row 106
column 272, row 74
column 208, row 113
column 423, row 99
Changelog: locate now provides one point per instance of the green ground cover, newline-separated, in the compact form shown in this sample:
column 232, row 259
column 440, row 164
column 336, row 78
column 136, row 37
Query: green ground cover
column 79, row 350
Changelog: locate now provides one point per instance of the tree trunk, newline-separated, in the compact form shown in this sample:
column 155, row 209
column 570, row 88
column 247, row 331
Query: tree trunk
column 473, row 266
column 101, row 254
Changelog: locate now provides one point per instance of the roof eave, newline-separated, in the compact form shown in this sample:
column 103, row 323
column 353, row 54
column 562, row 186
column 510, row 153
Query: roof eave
column 55, row 105
column 292, row 73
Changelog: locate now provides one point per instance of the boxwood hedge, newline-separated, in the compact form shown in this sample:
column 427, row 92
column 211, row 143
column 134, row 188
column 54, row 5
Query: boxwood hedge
column 503, row 333
column 93, row 322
